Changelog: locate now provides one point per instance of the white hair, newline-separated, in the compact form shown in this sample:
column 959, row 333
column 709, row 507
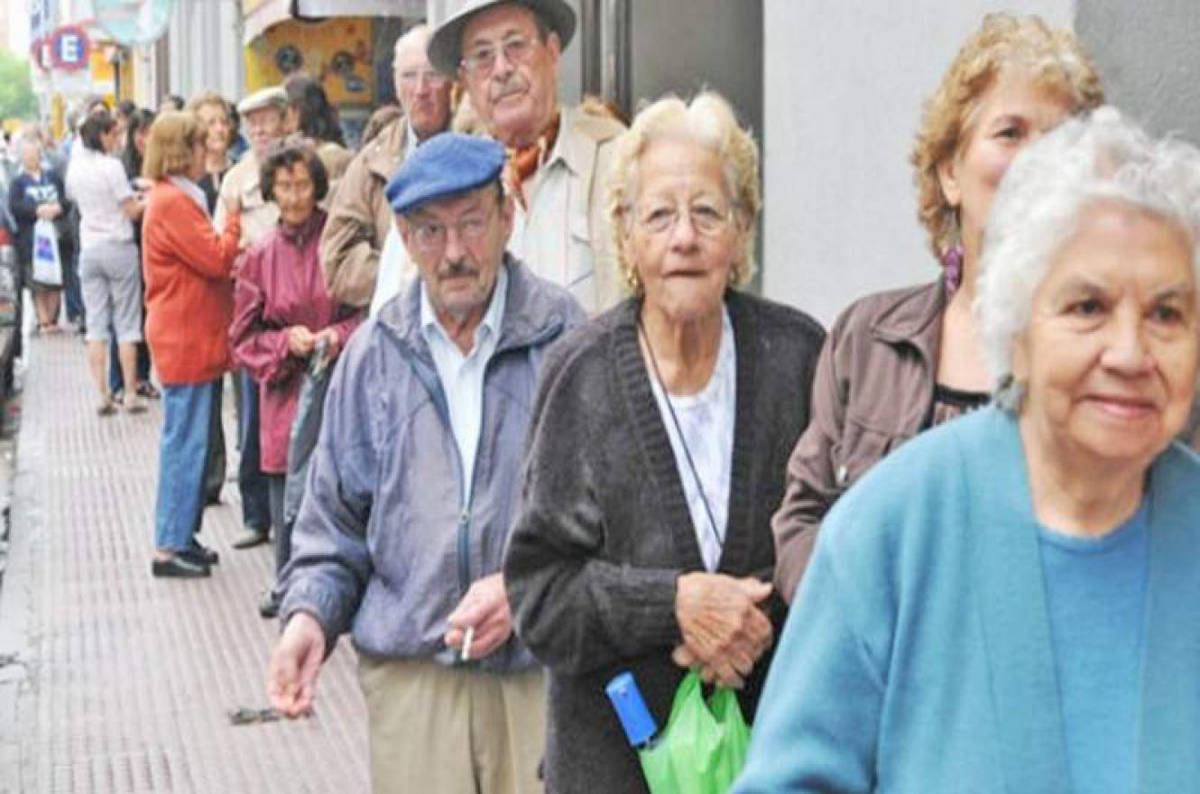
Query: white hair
column 1096, row 158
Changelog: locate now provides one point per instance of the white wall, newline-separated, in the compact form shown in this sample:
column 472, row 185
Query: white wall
column 844, row 85
column 18, row 27
column 1150, row 62
column 205, row 48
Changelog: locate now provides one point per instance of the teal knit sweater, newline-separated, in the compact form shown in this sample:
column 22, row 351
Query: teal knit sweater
column 917, row 657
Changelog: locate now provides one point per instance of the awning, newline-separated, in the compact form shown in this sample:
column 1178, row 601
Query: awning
column 258, row 15
column 358, row 8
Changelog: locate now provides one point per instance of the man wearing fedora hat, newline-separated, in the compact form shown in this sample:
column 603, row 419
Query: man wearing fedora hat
column 413, row 488
column 507, row 54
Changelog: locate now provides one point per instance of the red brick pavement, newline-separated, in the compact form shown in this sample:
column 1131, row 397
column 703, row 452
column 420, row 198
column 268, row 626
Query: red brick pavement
column 122, row 682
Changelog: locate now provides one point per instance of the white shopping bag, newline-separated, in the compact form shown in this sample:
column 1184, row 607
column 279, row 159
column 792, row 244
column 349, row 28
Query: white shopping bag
column 47, row 266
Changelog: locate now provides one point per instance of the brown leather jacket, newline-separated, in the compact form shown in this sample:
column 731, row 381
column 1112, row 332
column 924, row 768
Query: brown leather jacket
column 360, row 217
column 873, row 390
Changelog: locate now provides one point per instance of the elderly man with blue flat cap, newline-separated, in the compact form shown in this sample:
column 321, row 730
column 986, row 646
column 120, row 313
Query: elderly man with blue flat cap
column 412, row 492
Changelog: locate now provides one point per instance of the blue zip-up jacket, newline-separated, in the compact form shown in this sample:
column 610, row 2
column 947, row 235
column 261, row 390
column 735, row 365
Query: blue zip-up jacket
column 385, row 544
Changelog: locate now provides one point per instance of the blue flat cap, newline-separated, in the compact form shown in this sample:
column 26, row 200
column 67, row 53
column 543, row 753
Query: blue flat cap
column 444, row 166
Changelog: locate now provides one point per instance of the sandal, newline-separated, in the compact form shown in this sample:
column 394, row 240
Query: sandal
column 147, row 389
column 106, row 407
column 135, row 404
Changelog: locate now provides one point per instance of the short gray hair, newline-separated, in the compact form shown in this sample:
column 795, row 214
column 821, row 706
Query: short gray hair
column 1090, row 159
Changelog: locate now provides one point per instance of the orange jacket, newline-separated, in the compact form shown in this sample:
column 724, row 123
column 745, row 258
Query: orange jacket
column 188, row 267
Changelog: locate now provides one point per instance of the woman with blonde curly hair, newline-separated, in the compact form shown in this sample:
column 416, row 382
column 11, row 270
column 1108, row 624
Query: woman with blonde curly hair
column 900, row 362
column 660, row 436
column 1007, row 603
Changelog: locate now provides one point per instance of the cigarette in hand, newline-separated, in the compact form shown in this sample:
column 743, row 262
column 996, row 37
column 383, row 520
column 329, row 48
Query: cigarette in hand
column 467, row 639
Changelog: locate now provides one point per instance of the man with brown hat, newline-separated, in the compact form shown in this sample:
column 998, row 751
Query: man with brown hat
column 507, row 54
column 359, row 215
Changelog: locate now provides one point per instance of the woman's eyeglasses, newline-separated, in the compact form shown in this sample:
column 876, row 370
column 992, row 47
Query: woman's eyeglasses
column 707, row 219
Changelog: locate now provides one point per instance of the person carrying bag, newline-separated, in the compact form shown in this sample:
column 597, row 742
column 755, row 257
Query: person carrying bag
column 47, row 261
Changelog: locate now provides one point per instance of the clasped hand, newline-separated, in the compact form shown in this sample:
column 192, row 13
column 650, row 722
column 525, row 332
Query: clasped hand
column 724, row 628
column 302, row 341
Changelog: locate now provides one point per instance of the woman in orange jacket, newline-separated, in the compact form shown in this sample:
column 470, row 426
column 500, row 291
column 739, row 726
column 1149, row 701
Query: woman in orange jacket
column 189, row 305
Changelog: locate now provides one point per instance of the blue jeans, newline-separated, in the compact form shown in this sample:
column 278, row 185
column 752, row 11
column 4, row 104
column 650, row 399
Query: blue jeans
column 186, row 416
column 252, row 483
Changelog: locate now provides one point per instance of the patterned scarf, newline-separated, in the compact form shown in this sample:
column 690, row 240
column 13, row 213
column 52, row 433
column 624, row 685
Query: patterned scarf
column 524, row 162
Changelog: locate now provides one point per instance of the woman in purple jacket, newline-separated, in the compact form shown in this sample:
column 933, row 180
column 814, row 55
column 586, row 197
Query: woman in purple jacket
column 283, row 313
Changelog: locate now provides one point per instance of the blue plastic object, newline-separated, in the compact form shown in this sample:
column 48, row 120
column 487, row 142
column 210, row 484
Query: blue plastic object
column 635, row 717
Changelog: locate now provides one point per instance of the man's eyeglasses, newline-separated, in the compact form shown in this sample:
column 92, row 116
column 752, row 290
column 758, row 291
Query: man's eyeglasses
column 708, row 219
column 430, row 76
column 482, row 59
column 432, row 235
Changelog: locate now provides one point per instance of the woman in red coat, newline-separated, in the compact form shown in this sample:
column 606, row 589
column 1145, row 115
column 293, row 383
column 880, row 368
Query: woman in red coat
column 189, row 305
column 283, row 313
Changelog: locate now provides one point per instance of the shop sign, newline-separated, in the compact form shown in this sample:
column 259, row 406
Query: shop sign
column 70, row 48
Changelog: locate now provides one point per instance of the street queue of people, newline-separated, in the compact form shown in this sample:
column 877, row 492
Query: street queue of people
column 984, row 605
column 947, row 546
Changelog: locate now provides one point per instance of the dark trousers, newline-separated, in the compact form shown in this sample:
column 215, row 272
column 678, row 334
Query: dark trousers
column 116, row 379
column 277, row 484
column 256, row 498
column 214, row 462
column 71, row 291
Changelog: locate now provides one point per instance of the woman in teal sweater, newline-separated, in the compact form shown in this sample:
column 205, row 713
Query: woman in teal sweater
column 1007, row 603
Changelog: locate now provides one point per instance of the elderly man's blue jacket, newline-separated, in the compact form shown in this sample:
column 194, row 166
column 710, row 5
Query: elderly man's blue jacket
column 917, row 656
column 385, row 544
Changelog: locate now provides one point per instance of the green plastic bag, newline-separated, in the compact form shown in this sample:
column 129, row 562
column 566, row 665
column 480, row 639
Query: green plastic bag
column 703, row 747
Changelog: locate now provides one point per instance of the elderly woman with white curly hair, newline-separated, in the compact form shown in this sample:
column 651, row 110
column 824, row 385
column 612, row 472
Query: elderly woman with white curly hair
column 660, row 438
column 1008, row 602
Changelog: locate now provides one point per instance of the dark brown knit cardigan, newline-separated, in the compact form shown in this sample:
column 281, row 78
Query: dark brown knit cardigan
column 604, row 531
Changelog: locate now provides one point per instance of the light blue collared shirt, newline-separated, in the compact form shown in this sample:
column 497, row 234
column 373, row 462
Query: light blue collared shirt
column 462, row 375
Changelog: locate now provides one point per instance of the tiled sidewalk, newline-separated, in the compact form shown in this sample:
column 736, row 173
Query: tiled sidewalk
column 121, row 683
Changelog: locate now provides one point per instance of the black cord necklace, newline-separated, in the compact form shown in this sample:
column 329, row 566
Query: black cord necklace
column 687, row 453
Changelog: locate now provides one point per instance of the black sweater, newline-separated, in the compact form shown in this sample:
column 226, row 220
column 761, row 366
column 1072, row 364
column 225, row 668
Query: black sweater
column 604, row 531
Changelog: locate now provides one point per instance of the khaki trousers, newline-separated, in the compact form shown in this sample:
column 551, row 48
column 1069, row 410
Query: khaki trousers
column 452, row 730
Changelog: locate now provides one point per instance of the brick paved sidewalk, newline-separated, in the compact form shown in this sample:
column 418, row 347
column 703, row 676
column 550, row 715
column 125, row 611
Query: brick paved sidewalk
column 121, row 682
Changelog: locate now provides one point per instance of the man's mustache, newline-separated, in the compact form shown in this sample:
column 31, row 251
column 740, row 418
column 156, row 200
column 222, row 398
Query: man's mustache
column 456, row 270
column 515, row 84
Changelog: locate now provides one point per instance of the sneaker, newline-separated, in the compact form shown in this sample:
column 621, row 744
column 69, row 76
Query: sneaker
column 251, row 537
column 106, row 407
column 179, row 567
column 268, row 604
column 135, row 404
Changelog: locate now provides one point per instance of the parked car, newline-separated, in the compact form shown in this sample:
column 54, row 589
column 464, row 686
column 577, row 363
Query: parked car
column 10, row 297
